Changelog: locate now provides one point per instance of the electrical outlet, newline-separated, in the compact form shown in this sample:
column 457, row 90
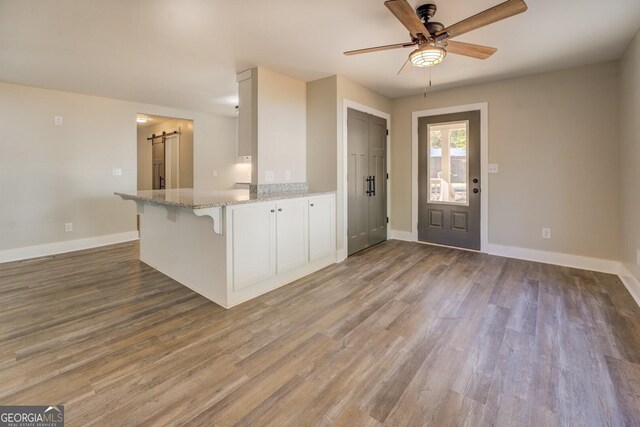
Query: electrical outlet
column 215, row 173
column 57, row 120
column 287, row 175
column 638, row 257
column 117, row 172
column 68, row 227
column 268, row 176
column 493, row 168
column 546, row 233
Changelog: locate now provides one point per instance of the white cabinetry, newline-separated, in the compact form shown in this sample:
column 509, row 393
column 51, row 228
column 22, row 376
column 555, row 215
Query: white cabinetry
column 274, row 243
column 321, row 227
column 254, row 244
column 292, row 236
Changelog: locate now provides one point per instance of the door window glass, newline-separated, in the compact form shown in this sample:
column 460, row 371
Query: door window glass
column 448, row 166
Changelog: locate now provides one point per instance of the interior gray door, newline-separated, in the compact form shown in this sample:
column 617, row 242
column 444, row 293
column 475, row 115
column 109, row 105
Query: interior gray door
column 366, row 180
column 378, row 180
column 449, row 179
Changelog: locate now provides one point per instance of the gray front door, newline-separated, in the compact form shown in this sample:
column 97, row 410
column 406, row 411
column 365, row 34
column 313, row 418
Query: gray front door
column 449, row 179
column 366, row 180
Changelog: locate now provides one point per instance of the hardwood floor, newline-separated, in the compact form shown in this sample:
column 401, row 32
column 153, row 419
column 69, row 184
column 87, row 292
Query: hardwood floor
column 400, row 334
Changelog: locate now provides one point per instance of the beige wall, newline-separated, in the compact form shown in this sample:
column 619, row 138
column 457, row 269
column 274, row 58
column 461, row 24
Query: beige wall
column 186, row 151
column 555, row 137
column 322, row 128
column 282, row 127
column 51, row 175
column 630, row 154
column 325, row 134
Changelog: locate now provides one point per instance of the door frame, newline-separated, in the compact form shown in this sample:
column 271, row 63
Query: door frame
column 343, row 154
column 483, row 107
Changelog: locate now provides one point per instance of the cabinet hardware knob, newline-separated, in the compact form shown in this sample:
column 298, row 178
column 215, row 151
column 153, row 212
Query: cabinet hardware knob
column 273, row 210
column 311, row 204
column 279, row 209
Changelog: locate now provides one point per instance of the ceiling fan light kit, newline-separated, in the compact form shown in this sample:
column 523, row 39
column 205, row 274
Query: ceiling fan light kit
column 433, row 40
column 427, row 56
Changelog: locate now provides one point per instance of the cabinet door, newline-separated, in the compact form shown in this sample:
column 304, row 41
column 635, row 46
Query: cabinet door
column 254, row 244
column 292, row 234
column 321, row 229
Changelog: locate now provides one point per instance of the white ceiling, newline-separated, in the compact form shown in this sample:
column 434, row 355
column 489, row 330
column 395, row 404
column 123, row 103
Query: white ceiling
column 185, row 53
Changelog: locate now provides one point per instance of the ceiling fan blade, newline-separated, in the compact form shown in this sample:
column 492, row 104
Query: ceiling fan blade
column 402, row 10
column 379, row 48
column 406, row 67
column 497, row 13
column 470, row 49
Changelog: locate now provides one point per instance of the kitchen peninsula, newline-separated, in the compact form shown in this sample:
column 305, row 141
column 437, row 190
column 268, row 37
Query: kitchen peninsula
column 231, row 246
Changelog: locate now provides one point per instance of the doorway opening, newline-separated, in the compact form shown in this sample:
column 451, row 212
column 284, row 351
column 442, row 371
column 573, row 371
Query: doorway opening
column 165, row 152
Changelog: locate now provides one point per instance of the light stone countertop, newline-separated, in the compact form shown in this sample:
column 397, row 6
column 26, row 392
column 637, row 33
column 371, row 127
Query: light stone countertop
column 197, row 199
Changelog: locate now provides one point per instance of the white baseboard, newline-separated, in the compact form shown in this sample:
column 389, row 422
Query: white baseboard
column 407, row 236
column 556, row 258
column 631, row 282
column 49, row 249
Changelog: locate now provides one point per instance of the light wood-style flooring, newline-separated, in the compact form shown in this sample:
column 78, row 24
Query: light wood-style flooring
column 399, row 334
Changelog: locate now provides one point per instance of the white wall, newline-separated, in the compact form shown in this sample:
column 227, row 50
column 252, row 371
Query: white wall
column 51, row 175
column 630, row 155
column 555, row 137
column 282, row 127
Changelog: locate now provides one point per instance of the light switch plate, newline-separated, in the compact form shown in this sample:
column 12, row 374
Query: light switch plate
column 546, row 233
column 493, row 168
column 68, row 227
column 638, row 257
column 57, row 120
column 268, row 176
column 117, row 172
column 215, row 173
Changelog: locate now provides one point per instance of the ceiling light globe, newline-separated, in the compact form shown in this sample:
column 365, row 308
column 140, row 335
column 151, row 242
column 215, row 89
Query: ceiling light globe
column 427, row 56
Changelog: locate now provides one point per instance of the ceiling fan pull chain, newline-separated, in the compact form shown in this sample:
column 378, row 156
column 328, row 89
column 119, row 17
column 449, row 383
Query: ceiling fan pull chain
column 425, row 83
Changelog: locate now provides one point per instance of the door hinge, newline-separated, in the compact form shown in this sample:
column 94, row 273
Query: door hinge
column 387, row 132
column 387, row 220
column 387, row 176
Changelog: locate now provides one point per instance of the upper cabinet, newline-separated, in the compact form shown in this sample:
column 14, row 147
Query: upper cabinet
column 246, row 128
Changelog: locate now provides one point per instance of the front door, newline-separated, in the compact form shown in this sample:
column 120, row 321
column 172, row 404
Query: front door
column 449, row 179
column 366, row 180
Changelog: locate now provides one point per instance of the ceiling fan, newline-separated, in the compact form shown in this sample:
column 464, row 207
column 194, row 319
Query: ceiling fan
column 433, row 40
